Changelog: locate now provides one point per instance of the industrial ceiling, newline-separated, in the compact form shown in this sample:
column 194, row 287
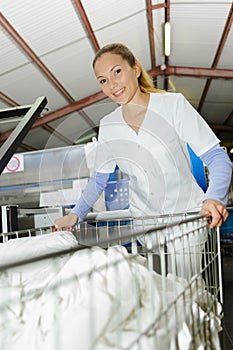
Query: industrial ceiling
column 47, row 48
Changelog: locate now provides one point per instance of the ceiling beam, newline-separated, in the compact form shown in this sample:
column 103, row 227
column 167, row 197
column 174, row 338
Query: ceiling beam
column 8, row 100
column 71, row 108
column 57, row 134
column 150, row 8
column 35, row 59
column 221, row 45
column 158, row 6
column 27, row 147
column 62, row 112
column 33, row 56
column 151, row 33
column 46, row 127
column 87, row 24
column 99, row 96
column 199, row 72
column 230, row 116
column 88, row 120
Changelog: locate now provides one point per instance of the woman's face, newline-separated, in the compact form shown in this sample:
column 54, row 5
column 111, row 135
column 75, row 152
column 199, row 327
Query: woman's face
column 118, row 80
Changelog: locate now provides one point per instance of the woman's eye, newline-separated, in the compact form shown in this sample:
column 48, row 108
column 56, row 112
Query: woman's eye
column 117, row 71
column 102, row 81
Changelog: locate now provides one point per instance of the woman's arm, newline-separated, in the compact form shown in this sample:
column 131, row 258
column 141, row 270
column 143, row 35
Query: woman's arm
column 220, row 171
column 93, row 190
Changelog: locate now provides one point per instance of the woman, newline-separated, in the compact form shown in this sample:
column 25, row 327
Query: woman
column 147, row 137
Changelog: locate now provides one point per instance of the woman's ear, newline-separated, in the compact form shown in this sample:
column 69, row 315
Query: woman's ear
column 137, row 68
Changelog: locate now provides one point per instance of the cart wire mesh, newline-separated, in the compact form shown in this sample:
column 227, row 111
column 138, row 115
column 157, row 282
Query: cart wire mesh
column 132, row 283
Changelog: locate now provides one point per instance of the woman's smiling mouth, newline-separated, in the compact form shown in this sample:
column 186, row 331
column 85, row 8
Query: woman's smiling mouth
column 119, row 92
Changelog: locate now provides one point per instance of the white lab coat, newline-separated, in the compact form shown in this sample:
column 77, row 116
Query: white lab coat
column 156, row 158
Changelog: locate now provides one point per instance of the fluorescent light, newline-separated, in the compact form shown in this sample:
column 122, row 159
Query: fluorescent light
column 231, row 150
column 167, row 39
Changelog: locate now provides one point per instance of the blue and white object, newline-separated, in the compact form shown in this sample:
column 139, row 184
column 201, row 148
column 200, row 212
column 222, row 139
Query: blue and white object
column 117, row 195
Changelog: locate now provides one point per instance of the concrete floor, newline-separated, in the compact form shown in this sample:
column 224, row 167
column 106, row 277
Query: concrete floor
column 227, row 270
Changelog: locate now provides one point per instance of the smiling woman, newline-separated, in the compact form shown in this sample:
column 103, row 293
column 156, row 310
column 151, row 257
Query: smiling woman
column 147, row 137
column 117, row 79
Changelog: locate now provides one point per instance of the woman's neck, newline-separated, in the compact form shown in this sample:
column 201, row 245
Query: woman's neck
column 134, row 113
column 136, row 107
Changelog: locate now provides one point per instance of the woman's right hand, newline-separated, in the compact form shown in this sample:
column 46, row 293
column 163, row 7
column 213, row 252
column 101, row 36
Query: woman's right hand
column 66, row 223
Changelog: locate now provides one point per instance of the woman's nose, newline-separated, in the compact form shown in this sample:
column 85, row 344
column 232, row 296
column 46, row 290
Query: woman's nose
column 112, row 83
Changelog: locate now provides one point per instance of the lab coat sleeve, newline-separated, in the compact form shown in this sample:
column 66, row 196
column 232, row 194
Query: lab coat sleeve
column 191, row 127
column 220, row 173
column 93, row 190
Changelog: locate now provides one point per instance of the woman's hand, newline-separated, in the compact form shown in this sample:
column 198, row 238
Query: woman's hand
column 66, row 222
column 214, row 210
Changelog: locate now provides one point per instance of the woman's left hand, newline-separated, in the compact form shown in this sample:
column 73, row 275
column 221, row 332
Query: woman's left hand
column 214, row 210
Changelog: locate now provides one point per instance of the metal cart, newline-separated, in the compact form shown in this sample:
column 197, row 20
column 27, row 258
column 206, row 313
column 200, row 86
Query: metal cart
column 165, row 290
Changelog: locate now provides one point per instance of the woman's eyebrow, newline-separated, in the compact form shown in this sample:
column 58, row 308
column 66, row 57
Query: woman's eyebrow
column 116, row 65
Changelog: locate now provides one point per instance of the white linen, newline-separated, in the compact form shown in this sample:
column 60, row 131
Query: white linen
column 91, row 299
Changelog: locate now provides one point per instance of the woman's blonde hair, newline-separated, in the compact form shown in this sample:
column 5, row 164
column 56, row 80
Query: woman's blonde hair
column 144, row 80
